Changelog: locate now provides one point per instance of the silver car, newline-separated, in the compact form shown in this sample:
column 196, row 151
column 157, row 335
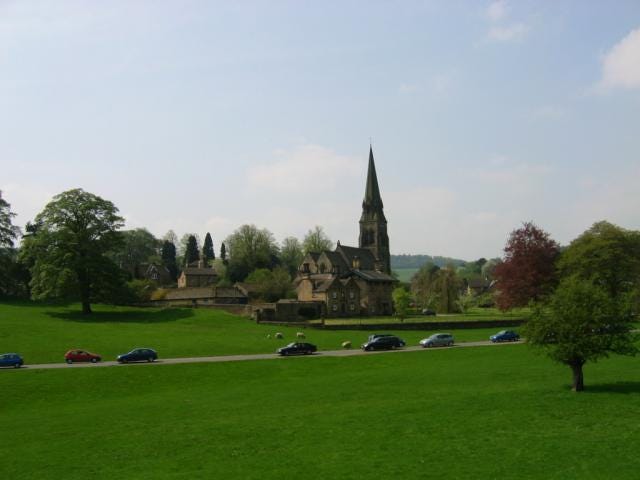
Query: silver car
column 438, row 340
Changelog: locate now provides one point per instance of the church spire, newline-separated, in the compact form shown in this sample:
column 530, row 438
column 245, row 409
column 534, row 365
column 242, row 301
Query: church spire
column 372, row 197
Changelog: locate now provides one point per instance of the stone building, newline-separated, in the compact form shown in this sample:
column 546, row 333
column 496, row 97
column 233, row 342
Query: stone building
column 197, row 274
column 353, row 280
column 154, row 272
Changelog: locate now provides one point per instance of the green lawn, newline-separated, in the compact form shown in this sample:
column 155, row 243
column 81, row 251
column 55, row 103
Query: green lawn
column 44, row 333
column 487, row 412
column 472, row 315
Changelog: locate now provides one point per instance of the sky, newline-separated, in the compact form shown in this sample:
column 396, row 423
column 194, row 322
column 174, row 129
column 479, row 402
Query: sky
column 201, row 116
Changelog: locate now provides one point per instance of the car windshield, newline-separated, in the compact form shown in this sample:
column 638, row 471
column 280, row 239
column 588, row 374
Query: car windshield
column 502, row 332
column 292, row 345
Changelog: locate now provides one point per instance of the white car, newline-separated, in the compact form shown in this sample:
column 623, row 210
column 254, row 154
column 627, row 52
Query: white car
column 438, row 340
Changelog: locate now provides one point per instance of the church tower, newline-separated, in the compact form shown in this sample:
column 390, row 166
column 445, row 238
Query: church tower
column 373, row 224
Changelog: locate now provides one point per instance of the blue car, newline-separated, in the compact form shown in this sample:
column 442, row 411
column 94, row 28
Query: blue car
column 11, row 360
column 138, row 355
column 505, row 336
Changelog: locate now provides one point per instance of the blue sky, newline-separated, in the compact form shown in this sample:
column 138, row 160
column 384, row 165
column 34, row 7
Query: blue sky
column 200, row 116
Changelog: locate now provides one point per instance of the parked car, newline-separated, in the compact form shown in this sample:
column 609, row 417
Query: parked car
column 138, row 355
column 428, row 312
column 373, row 336
column 438, row 340
column 81, row 356
column 297, row 348
column 11, row 360
column 505, row 336
column 386, row 342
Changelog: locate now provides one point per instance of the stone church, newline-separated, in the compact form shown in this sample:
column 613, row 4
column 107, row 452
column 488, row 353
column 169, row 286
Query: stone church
column 353, row 280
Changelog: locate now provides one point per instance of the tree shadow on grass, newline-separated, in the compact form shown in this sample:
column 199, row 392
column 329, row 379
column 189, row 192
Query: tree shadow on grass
column 133, row 316
column 617, row 387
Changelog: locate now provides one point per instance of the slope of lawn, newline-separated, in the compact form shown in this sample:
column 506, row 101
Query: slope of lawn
column 490, row 412
column 43, row 333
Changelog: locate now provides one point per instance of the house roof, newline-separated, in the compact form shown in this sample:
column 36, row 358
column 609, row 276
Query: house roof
column 199, row 271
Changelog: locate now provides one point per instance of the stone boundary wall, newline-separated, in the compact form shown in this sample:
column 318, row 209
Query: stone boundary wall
column 409, row 326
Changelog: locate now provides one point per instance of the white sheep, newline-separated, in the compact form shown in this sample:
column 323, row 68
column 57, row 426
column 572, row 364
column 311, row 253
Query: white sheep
column 346, row 344
column 268, row 335
column 300, row 335
column 279, row 335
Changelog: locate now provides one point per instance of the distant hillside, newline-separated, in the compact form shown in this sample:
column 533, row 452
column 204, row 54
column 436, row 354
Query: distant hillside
column 416, row 261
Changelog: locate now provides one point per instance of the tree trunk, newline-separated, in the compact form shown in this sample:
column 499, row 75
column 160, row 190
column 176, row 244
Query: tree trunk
column 578, row 378
column 86, row 307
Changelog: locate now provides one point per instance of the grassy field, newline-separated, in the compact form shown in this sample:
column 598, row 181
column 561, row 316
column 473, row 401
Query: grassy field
column 405, row 274
column 473, row 314
column 43, row 333
column 487, row 412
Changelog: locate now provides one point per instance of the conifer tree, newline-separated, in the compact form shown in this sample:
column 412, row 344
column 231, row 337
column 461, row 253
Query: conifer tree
column 191, row 253
column 223, row 253
column 207, row 249
column 169, row 258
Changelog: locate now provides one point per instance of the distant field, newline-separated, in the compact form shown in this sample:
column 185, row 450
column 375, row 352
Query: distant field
column 405, row 274
column 489, row 412
column 43, row 333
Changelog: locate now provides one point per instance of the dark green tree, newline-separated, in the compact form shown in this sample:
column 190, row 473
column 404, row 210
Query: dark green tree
column 207, row 249
column 8, row 231
column 168, row 255
column 71, row 247
column 191, row 253
column 316, row 240
column 272, row 285
column 607, row 255
column 12, row 272
column 223, row 253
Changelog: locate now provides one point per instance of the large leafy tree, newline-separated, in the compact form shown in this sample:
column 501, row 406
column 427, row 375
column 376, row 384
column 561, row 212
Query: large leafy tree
column 272, row 285
column 401, row 301
column 70, row 248
column 527, row 272
column 291, row 254
column 137, row 247
column 12, row 272
column 207, row 249
column 249, row 248
column 437, row 288
column 316, row 240
column 581, row 322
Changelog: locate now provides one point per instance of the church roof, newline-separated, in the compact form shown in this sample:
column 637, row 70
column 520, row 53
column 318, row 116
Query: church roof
column 366, row 258
column 374, row 276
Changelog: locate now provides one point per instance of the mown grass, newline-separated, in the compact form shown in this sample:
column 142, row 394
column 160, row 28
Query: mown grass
column 43, row 333
column 471, row 315
column 489, row 412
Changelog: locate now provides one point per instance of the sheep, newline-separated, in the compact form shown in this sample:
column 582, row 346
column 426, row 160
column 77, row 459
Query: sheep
column 346, row 344
column 268, row 336
column 300, row 335
column 279, row 335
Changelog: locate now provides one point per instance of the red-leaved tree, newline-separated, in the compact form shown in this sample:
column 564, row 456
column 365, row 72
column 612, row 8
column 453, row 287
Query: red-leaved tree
column 528, row 269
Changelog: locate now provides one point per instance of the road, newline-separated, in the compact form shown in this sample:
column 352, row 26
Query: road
column 259, row 356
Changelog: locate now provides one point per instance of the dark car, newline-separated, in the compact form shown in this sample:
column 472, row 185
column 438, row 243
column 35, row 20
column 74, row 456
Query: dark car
column 373, row 336
column 388, row 342
column 505, row 336
column 81, row 356
column 138, row 355
column 297, row 348
column 11, row 360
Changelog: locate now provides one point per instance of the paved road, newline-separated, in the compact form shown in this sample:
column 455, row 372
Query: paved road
column 260, row 356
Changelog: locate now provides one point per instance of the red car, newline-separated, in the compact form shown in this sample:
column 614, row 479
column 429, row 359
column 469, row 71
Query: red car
column 81, row 356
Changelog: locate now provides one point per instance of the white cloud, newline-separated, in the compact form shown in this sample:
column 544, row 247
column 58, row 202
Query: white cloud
column 304, row 169
column 621, row 64
column 497, row 10
column 508, row 33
